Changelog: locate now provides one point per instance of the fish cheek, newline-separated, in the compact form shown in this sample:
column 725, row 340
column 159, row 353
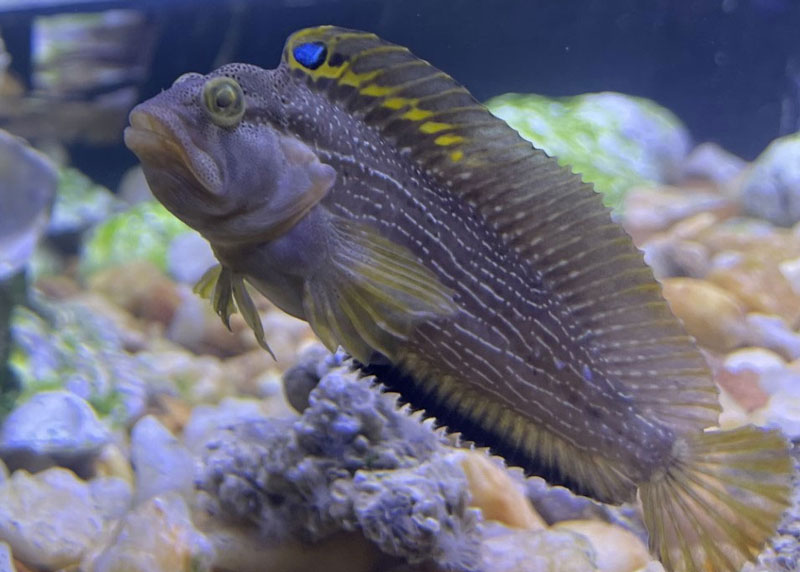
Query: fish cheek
column 275, row 177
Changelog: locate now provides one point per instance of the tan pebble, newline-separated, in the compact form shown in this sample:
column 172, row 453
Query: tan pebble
column 112, row 462
column 171, row 411
column 141, row 288
column 739, row 376
column 647, row 211
column 756, row 280
column 732, row 415
column 496, row 494
column 739, row 234
column 710, row 314
column 616, row 549
column 694, row 226
column 157, row 536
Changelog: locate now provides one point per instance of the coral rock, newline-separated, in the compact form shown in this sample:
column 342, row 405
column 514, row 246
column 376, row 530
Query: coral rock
column 353, row 461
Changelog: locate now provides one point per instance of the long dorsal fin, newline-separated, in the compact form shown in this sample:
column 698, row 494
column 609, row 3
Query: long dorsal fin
column 541, row 210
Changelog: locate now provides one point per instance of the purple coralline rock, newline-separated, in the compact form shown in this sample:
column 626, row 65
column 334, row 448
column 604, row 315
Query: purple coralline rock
column 353, row 460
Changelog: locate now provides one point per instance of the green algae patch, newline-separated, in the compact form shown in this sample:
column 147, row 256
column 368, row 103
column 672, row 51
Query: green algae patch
column 614, row 141
column 143, row 232
column 80, row 202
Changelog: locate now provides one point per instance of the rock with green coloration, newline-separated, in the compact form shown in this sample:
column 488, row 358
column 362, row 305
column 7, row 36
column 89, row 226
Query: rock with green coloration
column 772, row 188
column 143, row 232
column 53, row 427
column 80, row 203
column 81, row 351
column 614, row 141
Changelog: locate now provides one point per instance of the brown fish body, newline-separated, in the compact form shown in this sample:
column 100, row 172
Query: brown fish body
column 366, row 192
column 513, row 340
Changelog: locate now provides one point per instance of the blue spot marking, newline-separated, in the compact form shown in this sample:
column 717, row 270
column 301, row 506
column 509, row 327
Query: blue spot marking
column 311, row 54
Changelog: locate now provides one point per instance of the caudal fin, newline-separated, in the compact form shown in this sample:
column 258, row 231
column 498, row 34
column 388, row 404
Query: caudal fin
column 719, row 501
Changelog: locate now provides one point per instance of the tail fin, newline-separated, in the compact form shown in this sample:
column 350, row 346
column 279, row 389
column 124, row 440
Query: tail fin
column 719, row 501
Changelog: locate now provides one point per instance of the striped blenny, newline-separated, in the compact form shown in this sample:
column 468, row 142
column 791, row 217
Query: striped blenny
column 367, row 192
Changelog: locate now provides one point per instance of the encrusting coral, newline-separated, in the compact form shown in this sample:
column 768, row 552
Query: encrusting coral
column 352, row 461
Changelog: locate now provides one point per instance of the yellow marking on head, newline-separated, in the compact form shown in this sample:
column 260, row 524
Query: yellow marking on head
column 434, row 126
column 456, row 156
column 448, row 139
column 416, row 114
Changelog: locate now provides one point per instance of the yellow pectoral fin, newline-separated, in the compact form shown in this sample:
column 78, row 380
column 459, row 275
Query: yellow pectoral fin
column 215, row 285
column 372, row 294
column 248, row 310
column 228, row 292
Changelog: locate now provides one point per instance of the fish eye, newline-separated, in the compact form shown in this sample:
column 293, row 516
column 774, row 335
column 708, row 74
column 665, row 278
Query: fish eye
column 224, row 101
column 310, row 54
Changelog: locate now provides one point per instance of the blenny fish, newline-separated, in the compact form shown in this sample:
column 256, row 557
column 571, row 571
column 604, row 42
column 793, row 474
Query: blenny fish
column 365, row 191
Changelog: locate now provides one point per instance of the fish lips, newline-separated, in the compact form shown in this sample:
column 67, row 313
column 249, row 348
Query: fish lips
column 163, row 146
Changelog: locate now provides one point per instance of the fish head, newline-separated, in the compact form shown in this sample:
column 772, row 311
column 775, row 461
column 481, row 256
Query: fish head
column 213, row 152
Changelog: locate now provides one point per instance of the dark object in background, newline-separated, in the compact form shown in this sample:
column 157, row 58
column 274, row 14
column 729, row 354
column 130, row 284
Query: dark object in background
column 12, row 292
column 728, row 68
column 28, row 183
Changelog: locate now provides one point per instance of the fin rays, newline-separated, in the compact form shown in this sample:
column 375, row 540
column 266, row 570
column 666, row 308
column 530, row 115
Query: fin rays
column 719, row 500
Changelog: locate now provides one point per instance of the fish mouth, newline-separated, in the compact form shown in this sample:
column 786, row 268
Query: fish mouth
column 160, row 146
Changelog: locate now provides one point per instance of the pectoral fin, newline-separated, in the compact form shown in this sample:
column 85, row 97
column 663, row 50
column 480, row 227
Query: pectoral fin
column 372, row 293
column 227, row 292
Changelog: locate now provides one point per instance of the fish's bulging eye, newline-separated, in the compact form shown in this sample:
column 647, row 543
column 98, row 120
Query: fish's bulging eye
column 310, row 54
column 224, row 101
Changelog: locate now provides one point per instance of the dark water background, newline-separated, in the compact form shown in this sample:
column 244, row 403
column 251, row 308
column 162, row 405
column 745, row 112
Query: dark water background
column 730, row 69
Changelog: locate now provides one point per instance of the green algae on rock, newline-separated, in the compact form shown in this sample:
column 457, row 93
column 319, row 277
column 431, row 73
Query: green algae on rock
column 143, row 232
column 81, row 351
column 80, row 203
column 614, row 141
